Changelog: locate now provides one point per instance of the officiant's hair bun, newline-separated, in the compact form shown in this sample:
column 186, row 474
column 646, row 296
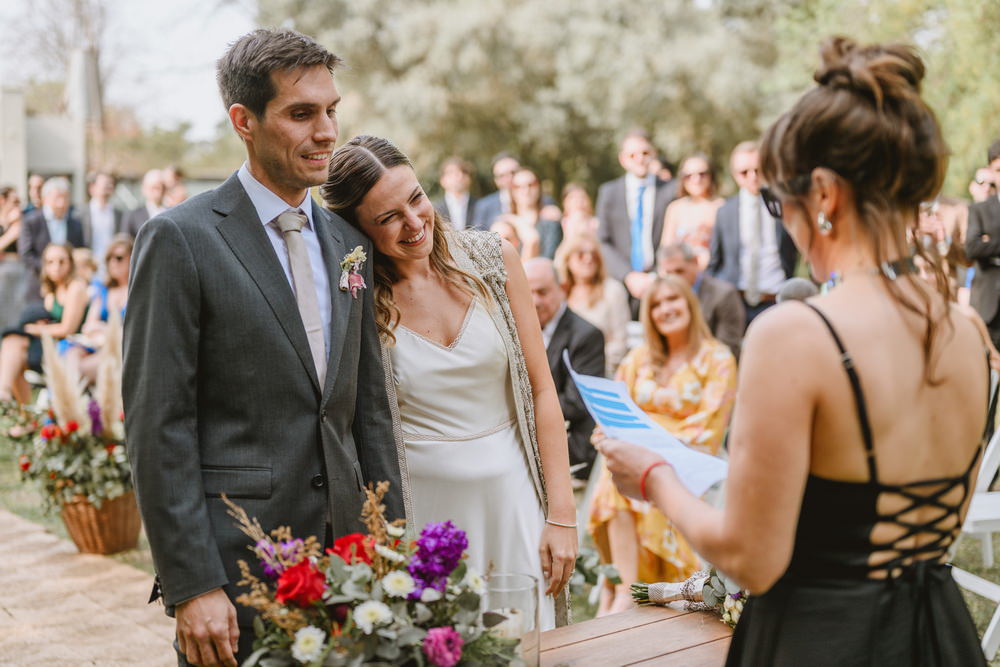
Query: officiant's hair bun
column 867, row 122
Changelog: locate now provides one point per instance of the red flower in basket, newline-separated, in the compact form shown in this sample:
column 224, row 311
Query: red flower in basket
column 302, row 584
column 49, row 431
column 72, row 427
column 24, row 462
column 353, row 548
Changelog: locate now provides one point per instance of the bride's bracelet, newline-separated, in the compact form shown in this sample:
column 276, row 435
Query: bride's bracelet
column 561, row 525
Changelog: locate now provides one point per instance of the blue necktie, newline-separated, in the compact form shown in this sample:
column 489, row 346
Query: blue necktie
column 638, row 257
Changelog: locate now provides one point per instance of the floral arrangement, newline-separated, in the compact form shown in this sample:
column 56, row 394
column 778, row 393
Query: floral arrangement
column 73, row 444
column 371, row 598
column 707, row 590
column 350, row 271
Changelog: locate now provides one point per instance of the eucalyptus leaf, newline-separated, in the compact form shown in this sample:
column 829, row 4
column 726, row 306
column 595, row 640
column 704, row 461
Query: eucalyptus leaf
column 492, row 618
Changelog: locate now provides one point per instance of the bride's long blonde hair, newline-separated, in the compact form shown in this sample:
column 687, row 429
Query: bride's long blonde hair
column 355, row 168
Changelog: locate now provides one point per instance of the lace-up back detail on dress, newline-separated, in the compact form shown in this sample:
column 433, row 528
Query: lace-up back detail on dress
column 874, row 529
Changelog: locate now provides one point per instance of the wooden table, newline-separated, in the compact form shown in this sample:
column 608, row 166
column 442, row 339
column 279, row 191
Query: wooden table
column 641, row 636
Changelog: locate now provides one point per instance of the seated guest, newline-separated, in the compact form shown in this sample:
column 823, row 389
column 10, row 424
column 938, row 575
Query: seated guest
column 11, row 271
column 540, row 236
column 504, row 226
column 52, row 223
column 721, row 305
column 111, row 297
column 578, row 211
column 594, row 296
column 563, row 330
column 690, row 218
column 862, row 414
column 65, row 304
column 457, row 204
column 685, row 380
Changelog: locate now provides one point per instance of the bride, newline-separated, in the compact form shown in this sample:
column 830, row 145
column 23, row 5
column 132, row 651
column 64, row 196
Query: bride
column 478, row 416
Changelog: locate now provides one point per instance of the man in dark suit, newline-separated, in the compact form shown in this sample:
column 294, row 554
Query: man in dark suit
column 750, row 249
column 247, row 371
column 52, row 223
column 982, row 246
column 493, row 205
column 457, row 205
column 154, row 188
column 630, row 212
column 721, row 305
column 101, row 221
column 564, row 330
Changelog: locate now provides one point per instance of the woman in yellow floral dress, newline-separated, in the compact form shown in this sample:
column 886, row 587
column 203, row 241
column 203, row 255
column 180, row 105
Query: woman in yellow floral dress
column 685, row 380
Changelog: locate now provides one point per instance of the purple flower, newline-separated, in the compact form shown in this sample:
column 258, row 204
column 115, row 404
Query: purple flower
column 94, row 411
column 443, row 646
column 275, row 558
column 439, row 551
column 268, row 561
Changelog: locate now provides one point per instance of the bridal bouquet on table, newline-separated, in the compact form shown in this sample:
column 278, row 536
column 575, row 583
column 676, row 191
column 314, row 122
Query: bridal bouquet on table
column 707, row 590
column 370, row 599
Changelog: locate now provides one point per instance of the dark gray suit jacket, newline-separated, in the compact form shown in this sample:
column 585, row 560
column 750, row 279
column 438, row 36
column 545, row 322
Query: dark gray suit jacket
column 134, row 219
column 585, row 343
column 488, row 209
column 724, row 257
column 723, row 310
column 31, row 244
column 984, row 219
column 441, row 206
column 221, row 394
column 88, row 231
column 615, row 228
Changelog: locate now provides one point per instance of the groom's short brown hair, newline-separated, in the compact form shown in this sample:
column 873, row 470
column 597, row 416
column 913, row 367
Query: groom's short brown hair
column 244, row 72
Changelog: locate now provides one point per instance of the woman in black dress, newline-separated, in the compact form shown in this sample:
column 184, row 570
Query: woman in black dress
column 860, row 414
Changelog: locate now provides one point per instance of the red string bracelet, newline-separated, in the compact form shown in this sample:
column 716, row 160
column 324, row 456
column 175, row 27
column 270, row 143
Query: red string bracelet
column 645, row 474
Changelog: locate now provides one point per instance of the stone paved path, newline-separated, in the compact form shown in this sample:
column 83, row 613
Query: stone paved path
column 59, row 607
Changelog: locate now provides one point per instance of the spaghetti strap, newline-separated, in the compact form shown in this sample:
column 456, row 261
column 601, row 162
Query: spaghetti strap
column 859, row 396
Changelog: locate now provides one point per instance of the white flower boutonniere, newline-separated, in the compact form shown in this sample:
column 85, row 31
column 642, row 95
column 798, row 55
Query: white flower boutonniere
column 350, row 268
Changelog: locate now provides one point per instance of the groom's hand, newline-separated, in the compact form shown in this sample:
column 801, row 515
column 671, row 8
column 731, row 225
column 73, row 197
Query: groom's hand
column 207, row 633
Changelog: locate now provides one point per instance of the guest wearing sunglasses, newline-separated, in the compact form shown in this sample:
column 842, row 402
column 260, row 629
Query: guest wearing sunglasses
column 691, row 217
column 749, row 246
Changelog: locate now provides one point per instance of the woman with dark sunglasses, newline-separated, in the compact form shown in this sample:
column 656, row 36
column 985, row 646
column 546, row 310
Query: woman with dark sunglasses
column 860, row 414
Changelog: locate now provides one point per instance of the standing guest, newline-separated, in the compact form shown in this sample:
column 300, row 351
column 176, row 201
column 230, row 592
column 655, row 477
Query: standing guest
column 247, row 372
column 11, row 270
column 52, row 223
column 721, row 305
column 594, row 296
column 493, row 205
column 477, row 411
column 540, row 236
column 457, row 206
column 859, row 425
column 982, row 186
column 101, row 221
column 63, row 306
column 505, row 229
column 175, row 191
column 689, row 218
column 35, row 183
column 982, row 246
column 685, row 381
column 750, row 248
column 630, row 210
column 564, row 331
column 153, row 191
column 578, row 211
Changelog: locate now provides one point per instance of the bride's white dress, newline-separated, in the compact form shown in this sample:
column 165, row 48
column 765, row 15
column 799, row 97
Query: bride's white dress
column 463, row 450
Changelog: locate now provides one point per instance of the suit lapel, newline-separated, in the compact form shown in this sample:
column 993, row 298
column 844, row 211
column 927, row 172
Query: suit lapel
column 244, row 233
column 332, row 244
column 559, row 340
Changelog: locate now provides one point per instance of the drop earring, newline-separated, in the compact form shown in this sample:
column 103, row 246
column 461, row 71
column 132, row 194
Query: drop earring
column 824, row 224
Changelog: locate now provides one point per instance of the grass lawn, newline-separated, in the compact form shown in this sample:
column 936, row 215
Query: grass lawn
column 23, row 499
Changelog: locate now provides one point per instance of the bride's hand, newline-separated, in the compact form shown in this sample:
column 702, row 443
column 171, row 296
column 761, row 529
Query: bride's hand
column 558, row 551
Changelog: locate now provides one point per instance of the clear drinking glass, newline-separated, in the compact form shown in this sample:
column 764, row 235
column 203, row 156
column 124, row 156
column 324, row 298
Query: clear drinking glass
column 515, row 596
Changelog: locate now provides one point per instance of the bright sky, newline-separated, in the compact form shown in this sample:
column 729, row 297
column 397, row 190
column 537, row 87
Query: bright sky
column 165, row 56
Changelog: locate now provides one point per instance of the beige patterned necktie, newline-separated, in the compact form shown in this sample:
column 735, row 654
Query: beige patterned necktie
column 290, row 223
column 752, row 294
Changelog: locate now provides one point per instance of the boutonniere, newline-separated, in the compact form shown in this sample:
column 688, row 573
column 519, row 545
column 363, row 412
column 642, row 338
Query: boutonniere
column 350, row 271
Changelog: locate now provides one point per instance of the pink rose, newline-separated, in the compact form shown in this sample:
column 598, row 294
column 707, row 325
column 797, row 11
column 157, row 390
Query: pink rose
column 443, row 646
column 354, row 283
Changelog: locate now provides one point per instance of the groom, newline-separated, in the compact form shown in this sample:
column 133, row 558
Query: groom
column 248, row 371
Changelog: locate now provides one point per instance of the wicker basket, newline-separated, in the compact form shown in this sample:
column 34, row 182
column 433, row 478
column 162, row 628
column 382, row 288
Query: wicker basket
column 111, row 528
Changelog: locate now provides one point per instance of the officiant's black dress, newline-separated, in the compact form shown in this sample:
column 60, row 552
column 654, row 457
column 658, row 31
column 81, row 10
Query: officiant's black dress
column 828, row 609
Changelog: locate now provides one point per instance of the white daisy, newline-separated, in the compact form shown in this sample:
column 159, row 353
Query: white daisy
column 371, row 613
column 430, row 595
column 475, row 582
column 398, row 584
column 308, row 644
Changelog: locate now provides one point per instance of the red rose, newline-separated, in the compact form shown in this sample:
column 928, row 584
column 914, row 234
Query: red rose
column 24, row 462
column 46, row 432
column 110, row 447
column 302, row 584
column 353, row 548
column 72, row 427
